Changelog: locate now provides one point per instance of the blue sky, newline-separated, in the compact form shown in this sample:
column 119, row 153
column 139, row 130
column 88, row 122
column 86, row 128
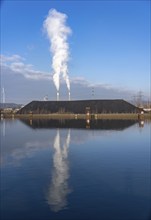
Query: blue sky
column 109, row 49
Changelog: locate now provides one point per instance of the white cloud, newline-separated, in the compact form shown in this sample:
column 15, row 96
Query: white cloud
column 16, row 65
column 79, row 80
column 98, row 86
column 12, row 58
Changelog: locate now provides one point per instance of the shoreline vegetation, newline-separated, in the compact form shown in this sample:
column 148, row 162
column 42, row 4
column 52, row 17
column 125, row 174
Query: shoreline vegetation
column 68, row 116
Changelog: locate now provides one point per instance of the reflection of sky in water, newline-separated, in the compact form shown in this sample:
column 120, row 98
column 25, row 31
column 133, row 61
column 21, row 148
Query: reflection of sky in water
column 110, row 169
column 59, row 189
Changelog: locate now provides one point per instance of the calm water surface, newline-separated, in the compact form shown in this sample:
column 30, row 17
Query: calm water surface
column 75, row 170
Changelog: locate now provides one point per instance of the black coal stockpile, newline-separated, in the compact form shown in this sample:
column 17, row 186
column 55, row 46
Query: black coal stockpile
column 79, row 107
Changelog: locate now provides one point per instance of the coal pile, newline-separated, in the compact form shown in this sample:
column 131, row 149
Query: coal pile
column 79, row 107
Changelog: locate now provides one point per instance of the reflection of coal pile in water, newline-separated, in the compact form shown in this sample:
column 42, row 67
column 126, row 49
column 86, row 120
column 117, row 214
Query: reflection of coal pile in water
column 82, row 124
column 59, row 189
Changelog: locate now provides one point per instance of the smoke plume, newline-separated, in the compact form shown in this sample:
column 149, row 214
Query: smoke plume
column 57, row 32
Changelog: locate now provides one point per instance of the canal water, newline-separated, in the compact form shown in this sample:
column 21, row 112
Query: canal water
column 75, row 170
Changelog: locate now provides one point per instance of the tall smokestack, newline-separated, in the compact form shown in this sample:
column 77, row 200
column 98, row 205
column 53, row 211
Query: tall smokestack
column 57, row 32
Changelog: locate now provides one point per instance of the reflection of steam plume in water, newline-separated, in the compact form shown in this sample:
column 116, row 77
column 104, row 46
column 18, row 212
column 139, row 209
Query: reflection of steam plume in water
column 3, row 127
column 3, row 95
column 59, row 189
column 58, row 31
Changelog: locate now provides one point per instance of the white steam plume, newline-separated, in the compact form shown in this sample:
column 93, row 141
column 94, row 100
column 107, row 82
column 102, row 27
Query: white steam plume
column 59, row 187
column 57, row 32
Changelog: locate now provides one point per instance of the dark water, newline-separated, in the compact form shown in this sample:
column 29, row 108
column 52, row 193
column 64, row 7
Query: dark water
column 75, row 170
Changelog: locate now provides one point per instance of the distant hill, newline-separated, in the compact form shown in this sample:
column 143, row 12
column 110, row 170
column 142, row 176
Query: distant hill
column 10, row 105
